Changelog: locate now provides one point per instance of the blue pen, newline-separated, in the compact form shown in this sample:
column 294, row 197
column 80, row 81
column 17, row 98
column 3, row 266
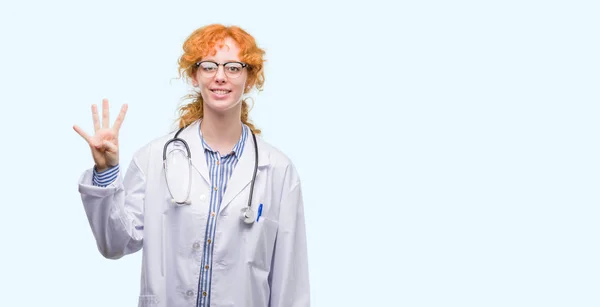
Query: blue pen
column 259, row 212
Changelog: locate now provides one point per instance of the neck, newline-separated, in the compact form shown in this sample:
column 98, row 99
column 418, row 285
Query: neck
column 221, row 132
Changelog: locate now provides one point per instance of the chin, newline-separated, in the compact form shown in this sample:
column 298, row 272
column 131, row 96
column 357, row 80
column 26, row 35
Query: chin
column 221, row 106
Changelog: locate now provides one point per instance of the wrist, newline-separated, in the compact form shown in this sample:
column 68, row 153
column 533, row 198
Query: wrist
column 100, row 168
column 103, row 168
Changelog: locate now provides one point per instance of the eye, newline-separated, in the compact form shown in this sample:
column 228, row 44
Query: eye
column 208, row 67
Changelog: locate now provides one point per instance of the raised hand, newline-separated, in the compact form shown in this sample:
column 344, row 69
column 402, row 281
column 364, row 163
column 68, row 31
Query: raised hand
column 105, row 141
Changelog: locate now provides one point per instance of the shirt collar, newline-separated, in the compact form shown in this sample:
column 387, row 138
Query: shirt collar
column 238, row 148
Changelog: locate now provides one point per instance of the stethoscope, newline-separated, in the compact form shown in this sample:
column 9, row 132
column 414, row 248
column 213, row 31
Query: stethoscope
column 247, row 215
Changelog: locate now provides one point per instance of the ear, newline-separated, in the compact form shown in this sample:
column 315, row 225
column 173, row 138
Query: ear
column 194, row 82
column 248, row 85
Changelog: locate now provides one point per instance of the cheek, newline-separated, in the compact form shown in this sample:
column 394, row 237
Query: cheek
column 203, row 91
column 195, row 79
column 239, row 88
column 241, row 84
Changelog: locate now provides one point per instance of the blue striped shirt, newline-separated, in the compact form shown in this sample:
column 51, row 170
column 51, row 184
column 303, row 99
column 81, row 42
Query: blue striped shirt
column 104, row 178
column 220, row 170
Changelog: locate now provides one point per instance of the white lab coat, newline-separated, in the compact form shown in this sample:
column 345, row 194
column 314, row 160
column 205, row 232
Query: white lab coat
column 264, row 264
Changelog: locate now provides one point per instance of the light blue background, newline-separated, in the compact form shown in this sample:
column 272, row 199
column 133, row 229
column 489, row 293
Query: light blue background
column 448, row 149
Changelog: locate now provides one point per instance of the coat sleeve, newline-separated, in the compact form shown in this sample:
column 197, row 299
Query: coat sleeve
column 289, row 277
column 115, row 212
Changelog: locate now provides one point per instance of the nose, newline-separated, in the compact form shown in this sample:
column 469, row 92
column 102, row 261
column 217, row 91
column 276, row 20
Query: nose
column 220, row 76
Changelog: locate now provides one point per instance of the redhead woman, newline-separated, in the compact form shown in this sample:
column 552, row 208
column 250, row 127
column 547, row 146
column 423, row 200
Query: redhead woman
column 216, row 211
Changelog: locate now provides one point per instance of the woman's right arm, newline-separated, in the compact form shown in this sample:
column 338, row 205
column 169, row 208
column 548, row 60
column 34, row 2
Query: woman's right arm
column 114, row 210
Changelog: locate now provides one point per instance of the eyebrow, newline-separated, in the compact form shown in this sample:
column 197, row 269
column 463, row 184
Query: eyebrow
column 211, row 60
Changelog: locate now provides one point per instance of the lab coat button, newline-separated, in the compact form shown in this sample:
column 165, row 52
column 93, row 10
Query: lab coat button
column 196, row 245
column 190, row 292
column 202, row 197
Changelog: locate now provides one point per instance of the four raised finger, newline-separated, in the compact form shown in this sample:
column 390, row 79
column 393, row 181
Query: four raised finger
column 105, row 116
column 84, row 135
column 95, row 118
column 120, row 118
column 105, row 123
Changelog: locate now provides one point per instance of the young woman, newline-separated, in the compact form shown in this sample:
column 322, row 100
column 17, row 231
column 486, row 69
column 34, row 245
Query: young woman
column 222, row 228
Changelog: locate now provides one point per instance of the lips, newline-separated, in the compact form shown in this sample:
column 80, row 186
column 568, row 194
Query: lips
column 220, row 91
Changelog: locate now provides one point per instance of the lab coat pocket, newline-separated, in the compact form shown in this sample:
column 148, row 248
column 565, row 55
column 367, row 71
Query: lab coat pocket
column 147, row 300
column 260, row 242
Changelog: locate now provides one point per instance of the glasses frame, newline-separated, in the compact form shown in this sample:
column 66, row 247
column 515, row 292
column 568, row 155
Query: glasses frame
column 244, row 65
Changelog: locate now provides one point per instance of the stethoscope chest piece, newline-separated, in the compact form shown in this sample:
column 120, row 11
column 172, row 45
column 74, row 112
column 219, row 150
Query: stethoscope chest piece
column 247, row 215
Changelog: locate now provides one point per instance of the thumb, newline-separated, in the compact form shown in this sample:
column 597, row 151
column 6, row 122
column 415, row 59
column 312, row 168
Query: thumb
column 110, row 146
column 96, row 145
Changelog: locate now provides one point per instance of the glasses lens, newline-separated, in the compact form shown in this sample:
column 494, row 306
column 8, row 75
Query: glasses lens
column 208, row 68
column 233, row 69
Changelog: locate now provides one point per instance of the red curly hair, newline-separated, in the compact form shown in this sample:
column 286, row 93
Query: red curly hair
column 203, row 41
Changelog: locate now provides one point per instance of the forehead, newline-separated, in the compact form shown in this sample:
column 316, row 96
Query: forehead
column 226, row 48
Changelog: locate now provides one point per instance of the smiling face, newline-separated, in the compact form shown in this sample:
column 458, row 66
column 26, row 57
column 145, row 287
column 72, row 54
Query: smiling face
column 221, row 86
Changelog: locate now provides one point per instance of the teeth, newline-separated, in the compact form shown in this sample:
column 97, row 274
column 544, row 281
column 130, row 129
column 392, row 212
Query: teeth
column 221, row 92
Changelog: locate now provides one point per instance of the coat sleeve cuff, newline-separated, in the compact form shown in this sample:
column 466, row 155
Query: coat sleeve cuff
column 87, row 188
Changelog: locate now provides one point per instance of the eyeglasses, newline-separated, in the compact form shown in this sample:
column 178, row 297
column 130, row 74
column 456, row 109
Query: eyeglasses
column 208, row 69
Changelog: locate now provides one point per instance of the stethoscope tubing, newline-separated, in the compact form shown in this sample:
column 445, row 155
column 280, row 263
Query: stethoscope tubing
column 246, row 211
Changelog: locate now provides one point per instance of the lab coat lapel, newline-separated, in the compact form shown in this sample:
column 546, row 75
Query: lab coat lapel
column 242, row 174
column 191, row 135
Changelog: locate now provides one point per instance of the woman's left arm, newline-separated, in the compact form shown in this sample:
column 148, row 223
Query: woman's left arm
column 289, row 270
